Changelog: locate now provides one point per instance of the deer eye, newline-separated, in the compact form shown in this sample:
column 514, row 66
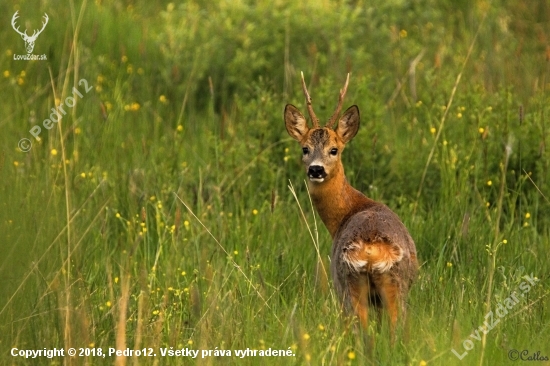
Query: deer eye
column 333, row 151
column 305, row 150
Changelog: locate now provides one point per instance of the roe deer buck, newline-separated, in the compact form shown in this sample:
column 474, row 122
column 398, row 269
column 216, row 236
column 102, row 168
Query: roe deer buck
column 373, row 259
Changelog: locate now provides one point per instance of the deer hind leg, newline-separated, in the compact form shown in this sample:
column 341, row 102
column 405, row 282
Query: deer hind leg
column 359, row 294
column 391, row 295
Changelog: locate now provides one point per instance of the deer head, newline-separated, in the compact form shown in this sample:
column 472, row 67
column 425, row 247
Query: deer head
column 322, row 146
column 29, row 40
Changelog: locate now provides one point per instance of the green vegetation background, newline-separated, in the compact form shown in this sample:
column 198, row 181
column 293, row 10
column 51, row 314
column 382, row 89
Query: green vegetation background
column 185, row 110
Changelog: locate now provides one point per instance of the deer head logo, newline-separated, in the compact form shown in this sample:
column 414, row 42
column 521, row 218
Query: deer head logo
column 29, row 40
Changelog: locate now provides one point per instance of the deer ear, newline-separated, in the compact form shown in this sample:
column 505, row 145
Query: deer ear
column 348, row 124
column 295, row 123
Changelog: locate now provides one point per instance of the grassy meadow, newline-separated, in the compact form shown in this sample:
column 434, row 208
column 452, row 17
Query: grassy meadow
column 157, row 214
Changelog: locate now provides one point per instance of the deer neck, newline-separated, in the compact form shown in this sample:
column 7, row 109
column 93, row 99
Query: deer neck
column 336, row 200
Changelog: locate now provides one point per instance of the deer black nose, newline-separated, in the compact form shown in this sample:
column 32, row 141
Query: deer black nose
column 316, row 171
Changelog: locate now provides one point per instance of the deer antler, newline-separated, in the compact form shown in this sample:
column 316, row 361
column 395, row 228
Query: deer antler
column 312, row 115
column 43, row 25
column 336, row 113
column 24, row 34
column 13, row 19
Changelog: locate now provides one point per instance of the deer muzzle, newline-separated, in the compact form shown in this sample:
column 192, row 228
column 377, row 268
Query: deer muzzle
column 316, row 173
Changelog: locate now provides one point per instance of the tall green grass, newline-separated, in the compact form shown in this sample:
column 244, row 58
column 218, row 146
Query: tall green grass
column 158, row 212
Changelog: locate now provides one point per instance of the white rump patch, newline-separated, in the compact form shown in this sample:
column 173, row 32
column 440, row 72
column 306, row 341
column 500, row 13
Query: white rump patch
column 358, row 265
column 387, row 258
column 386, row 265
column 350, row 257
column 378, row 257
